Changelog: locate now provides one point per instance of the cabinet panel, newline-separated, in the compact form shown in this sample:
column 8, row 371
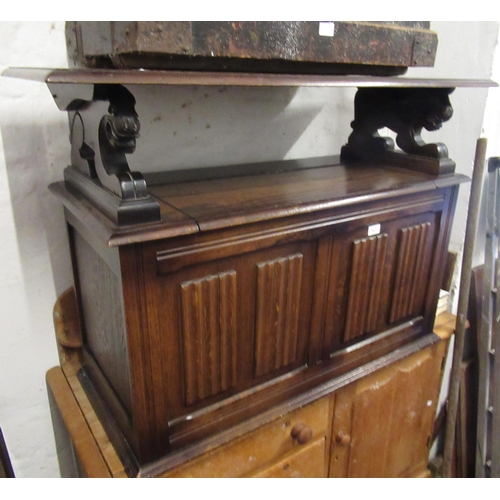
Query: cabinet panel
column 382, row 424
column 375, row 281
column 269, row 450
column 277, row 313
column 412, row 270
column 341, row 431
column 231, row 324
column 209, row 325
column 261, row 447
column 365, row 286
column 102, row 314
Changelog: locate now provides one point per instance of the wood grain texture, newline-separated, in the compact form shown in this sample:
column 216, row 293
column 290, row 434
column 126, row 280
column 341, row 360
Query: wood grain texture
column 113, row 462
column 247, row 454
column 66, row 320
column 341, row 426
column 71, row 364
column 306, row 462
column 278, row 297
column 230, row 433
column 379, row 48
column 209, row 335
column 374, row 282
column 101, row 305
column 411, row 272
column 85, row 446
column 173, row 223
column 218, row 203
column 150, row 427
column 365, row 286
column 188, row 207
column 177, row 310
column 280, row 293
column 267, row 451
column 389, row 417
column 444, row 325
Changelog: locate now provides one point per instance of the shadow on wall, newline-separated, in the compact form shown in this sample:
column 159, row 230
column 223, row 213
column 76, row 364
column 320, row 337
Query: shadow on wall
column 192, row 127
column 33, row 150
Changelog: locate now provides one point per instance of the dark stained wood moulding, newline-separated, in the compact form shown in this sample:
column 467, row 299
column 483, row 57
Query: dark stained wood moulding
column 224, row 197
column 166, row 77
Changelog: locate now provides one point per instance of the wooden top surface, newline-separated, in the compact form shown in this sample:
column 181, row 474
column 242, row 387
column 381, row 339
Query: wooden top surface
column 207, row 78
column 228, row 201
column 216, row 198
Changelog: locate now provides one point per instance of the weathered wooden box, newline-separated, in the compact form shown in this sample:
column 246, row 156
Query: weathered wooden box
column 381, row 48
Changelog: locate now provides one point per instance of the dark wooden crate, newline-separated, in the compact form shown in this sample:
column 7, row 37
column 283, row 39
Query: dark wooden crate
column 379, row 48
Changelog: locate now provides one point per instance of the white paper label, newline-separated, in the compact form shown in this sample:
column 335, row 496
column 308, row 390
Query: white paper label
column 373, row 229
column 326, row 28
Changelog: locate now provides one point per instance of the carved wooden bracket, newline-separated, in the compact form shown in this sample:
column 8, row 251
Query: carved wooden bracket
column 405, row 111
column 100, row 140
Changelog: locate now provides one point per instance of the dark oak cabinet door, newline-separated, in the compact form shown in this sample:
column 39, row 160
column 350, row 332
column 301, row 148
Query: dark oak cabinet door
column 377, row 276
column 234, row 323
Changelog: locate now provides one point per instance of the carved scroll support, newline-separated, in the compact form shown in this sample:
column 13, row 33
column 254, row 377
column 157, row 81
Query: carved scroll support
column 104, row 128
column 405, row 111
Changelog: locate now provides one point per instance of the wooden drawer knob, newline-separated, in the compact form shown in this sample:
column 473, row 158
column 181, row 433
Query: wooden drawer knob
column 342, row 438
column 301, row 433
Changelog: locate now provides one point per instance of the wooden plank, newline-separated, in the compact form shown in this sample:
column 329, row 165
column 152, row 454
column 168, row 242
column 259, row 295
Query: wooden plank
column 289, row 188
column 218, row 79
column 107, row 450
column 466, row 425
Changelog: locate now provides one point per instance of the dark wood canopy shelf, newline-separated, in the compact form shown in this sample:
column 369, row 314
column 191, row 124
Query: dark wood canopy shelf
column 160, row 77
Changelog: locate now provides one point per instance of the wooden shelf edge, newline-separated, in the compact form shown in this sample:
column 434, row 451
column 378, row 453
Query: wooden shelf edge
column 206, row 78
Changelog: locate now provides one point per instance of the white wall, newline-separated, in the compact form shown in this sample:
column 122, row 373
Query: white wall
column 195, row 127
column 33, row 148
column 491, row 131
column 491, row 124
column 465, row 50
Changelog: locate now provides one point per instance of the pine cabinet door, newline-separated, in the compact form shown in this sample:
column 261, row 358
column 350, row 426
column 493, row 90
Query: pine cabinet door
column 382, row 424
